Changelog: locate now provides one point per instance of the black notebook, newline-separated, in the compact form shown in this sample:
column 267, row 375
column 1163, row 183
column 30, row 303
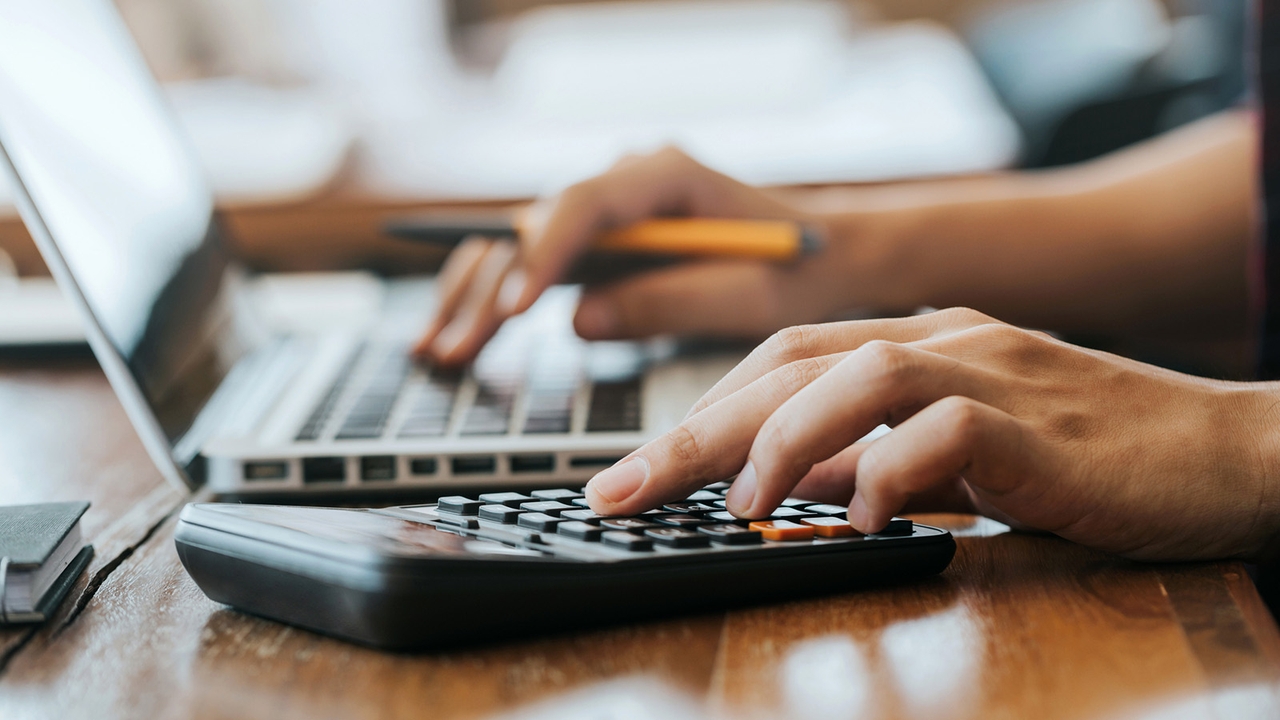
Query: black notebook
column 41, row 555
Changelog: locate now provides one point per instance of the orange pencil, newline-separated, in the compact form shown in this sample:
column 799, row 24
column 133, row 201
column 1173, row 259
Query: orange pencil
column 772, row 240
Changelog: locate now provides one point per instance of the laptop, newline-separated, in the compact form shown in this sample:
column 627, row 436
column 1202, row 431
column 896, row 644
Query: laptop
column 113, row 196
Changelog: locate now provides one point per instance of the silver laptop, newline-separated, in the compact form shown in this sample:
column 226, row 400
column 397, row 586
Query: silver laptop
column 221, row 394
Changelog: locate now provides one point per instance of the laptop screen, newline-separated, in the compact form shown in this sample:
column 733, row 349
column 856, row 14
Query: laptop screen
column 124, row 203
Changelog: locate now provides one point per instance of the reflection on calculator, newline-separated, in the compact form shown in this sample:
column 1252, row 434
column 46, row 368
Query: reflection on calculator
column 498, row 565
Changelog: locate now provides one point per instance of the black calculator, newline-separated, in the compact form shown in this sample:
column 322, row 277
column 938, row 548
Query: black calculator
column 501, row 565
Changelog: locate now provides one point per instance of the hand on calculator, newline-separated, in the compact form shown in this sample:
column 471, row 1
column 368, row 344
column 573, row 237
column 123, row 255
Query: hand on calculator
column 989, row 418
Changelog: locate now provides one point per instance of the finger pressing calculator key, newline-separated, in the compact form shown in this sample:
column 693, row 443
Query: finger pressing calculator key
column 782, row 530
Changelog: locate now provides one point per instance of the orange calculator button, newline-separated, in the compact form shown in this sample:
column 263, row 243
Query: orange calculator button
column 782, row 530
column 830, row 527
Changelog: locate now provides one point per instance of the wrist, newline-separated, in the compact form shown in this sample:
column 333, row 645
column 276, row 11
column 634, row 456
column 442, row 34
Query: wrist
column 1263, row 431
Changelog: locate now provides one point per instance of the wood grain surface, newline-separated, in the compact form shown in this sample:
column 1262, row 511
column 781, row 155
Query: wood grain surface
column 1020, row 626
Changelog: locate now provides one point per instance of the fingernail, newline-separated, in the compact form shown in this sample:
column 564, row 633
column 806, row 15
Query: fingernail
column 621, row 481
column 743, row 491
column 597, row 318
column 512, row 291
column 449, row 339
column 858, row 513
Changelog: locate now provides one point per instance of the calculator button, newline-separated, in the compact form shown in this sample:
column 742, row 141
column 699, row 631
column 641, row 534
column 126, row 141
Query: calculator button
column 796, row 503
column 724, row 516
column 677, row 537
column 583, row 515
column 627, row 524
column 689, row 521
column 823, row 509
column 790, row 513
column 896, row 527
column 718, row 487
column 499, row 513
column 690, row 507
column 538, row 521
column 730, row 534
column 579, row 530
column 462, row 521
column 704, row 496
column 580, row 502
column 782, row 530
column 458, row 505
column 510, row 499
column 718, row 503
column 626, row 540
column 827, row 526
column 562, row 494
column 550, row 507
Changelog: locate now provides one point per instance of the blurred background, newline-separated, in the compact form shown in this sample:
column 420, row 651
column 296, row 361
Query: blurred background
column 315, row 118
column 512, row 98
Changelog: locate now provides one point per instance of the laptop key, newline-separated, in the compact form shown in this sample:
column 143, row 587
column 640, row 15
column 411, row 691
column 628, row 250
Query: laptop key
column 627, row 524
column 541, row 522
column 578, row 530
column 677, row 537
column 458, row 505
column 728, row 534
column 626, row 540
column 499, row 513
column 550, row 507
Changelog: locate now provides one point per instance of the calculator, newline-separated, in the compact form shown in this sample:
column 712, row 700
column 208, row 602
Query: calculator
column 501, row 565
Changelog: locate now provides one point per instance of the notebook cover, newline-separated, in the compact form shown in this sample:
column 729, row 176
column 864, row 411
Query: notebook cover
column 30, row 533
column 56, row 592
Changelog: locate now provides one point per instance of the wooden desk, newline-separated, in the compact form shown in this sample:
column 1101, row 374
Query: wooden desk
column 1018, row 627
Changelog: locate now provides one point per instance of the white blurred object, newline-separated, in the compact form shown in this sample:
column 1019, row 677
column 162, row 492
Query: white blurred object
column 261, row 143
column 769, row 92
column 33, row 310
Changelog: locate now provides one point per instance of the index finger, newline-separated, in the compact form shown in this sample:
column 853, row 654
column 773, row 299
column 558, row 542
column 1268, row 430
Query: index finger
column 555, row 232
column 806, row 341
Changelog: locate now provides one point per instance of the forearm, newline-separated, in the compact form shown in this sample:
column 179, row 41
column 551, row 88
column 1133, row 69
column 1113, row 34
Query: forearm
column 1149, row 240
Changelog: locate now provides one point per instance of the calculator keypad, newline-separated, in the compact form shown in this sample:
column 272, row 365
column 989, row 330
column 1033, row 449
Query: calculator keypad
column 559, row 522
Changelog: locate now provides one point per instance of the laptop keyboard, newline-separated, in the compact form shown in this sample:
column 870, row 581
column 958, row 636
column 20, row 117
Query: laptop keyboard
column 524, row 382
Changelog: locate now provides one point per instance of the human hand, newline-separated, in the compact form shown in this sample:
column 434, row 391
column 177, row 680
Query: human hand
column 485, row 281
column 988, row 418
